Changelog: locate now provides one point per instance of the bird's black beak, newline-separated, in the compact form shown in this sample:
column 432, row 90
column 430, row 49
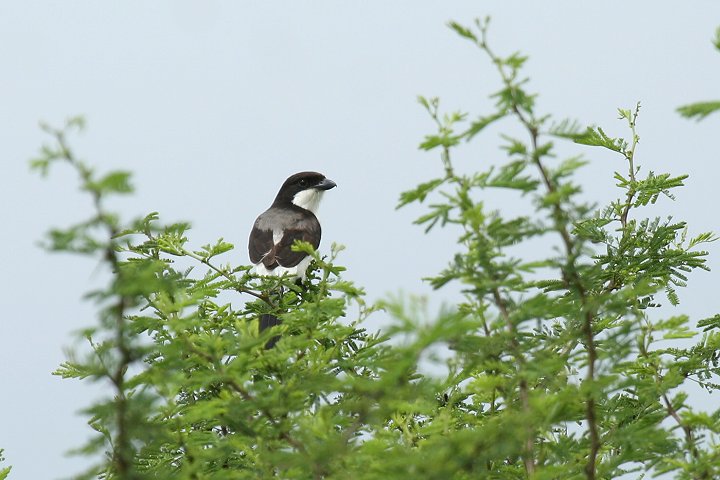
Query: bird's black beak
column 326, row 184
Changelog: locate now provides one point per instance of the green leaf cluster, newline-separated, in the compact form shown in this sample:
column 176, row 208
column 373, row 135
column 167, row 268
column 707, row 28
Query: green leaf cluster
column 5, row 471
column 700, row 110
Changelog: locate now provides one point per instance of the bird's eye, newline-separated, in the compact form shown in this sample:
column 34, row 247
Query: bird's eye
column 303, row 182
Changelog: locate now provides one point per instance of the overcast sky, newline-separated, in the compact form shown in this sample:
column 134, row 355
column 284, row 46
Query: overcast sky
column 213, row 104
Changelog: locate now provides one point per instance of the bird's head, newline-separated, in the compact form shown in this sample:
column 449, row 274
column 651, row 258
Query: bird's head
column 304, row 189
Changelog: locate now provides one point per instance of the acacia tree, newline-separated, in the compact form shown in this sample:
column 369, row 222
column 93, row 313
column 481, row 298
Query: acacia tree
column 554, row 367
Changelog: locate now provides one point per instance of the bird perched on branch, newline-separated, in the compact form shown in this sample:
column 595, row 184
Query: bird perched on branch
column 290, row 217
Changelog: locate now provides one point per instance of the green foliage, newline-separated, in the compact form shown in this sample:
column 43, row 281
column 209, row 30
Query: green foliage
column 595, row 137
column 4, row 472
column 700, row 110
column 567, row 373
column 553, row 364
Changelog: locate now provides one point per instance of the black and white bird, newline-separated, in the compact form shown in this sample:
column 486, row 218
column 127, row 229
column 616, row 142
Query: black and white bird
column 292, row 216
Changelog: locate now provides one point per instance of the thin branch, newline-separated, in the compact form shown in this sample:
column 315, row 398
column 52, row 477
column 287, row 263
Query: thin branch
column 686, row 429
column 630, row 156
column 205, row 261
column 569, row 272
column 266, row 413
column 122, row 447
column 260, row 296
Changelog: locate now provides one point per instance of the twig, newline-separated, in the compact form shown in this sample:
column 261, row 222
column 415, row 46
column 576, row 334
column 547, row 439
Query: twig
column 630, row 156
column 686, row 429
column 205, row 261
column 569, row 272
column 122, row 447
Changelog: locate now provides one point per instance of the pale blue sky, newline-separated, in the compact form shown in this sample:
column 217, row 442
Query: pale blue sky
column 194, row 96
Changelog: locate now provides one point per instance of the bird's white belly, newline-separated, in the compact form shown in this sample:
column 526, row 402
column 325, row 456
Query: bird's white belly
column 298, row 271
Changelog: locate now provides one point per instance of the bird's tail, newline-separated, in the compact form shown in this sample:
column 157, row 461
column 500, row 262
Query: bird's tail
column 267, row 321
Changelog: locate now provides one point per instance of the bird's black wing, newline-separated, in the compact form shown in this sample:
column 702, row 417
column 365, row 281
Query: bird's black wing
column 284, row 255
column 264, row 247
column 260, row 243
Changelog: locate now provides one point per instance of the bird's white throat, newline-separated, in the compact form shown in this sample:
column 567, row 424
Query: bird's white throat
column 308, row 199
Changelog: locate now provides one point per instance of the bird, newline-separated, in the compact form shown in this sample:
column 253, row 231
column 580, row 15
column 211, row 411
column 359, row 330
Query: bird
column 291, row 217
